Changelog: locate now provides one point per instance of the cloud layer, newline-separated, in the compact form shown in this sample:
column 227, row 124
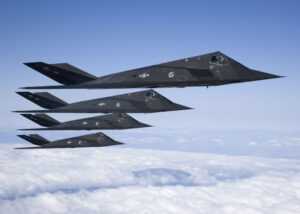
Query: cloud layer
column 259, row 143
column 127, row 180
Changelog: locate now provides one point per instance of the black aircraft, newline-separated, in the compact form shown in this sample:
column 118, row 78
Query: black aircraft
column 211, row 69
column 147, row 101
column 108, row 121
column 91, row 140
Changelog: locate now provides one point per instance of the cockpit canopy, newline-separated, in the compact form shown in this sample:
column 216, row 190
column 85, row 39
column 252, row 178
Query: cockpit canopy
column 219, row 60
column 150, row 95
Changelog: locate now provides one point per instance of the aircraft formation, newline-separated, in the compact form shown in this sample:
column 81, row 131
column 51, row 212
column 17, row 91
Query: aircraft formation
column 212, row 69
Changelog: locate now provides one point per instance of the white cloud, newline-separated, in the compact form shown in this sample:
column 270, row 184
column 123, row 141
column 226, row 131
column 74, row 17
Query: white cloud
column 182, row 140
column 253, row 143
column 231, row 142
column 217, row 140
column 124, row 180
column 294, row 138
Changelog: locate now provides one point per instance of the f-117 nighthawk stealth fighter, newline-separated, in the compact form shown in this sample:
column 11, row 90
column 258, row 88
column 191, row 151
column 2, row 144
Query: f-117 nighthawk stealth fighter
column 211, row 69
column 148, row 101
column 108, row 121
column 91, row 140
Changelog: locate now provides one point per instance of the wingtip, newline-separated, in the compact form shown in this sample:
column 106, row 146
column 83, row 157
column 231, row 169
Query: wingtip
column 50, row 87
column 29, row 111
column 19, row 111
column 29, row 87
column 32, row 87
column 36, row 147
column 34, row 111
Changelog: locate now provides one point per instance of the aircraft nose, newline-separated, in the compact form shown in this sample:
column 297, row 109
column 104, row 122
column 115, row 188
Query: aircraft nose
column 181, row 107
column 262, row 75
column 144, row 125
column 270, row 76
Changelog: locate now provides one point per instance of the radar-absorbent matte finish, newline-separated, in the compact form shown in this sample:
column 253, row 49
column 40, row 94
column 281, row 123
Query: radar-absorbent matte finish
column 148, row 101
column 91, row 140
column 210, row 69
column 108, row 121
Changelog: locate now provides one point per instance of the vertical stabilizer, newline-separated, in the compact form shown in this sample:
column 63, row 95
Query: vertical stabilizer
column 42, row 119
column 35, row 139
column 43, row 99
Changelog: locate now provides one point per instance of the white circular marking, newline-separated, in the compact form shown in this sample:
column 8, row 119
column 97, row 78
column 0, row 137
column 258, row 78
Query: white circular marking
column 118, row 105
column 171, row 74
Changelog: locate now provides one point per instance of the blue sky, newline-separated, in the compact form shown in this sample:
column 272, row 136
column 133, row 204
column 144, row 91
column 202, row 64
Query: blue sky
column 102, row 37
column 237, row 151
